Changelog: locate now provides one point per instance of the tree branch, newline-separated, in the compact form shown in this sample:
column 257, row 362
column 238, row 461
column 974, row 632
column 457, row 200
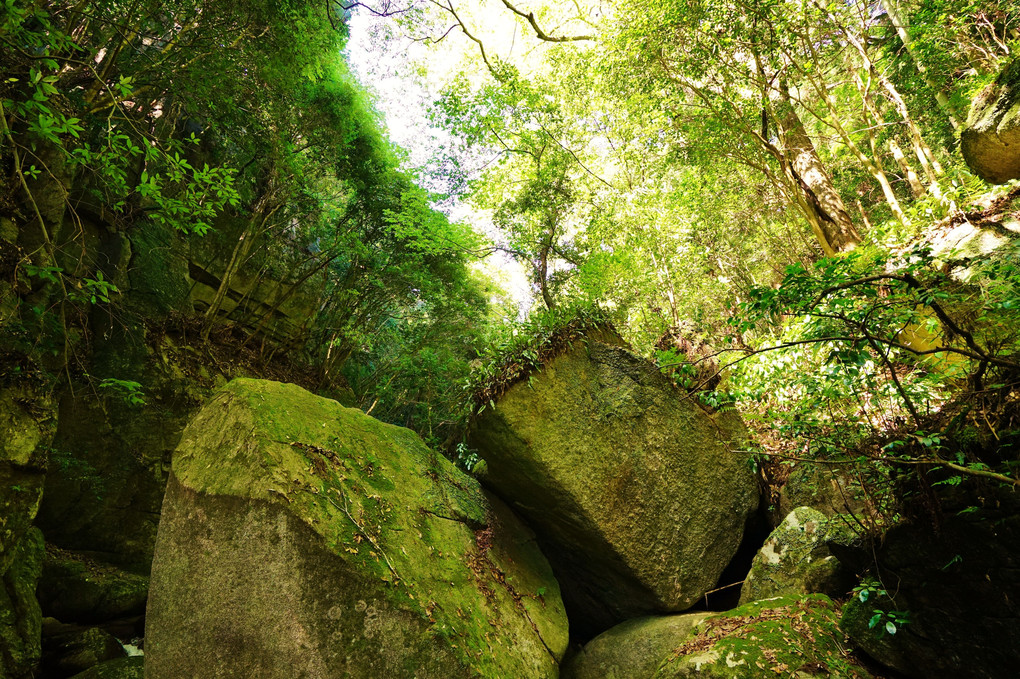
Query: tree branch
column 539, row 33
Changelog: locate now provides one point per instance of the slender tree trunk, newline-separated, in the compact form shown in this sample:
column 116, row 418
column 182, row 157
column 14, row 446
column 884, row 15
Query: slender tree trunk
column 869, row 104
column 105, row 67
column 237, row 258
column 288, row 294
column 666, row 281
column 820, row 201
column 543, row 277
column 928, row 161
column 915, row 183
column 864, row 214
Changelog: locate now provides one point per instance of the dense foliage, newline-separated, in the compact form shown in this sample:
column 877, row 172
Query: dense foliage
column 761, row 188
column 749, row 189
column 238, row 124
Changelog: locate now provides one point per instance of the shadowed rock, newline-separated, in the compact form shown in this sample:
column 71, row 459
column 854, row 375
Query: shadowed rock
column 633, row 649
column 796, row 558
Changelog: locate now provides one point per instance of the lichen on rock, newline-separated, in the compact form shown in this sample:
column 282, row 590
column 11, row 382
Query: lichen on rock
column 785, row 636
column 795, row 558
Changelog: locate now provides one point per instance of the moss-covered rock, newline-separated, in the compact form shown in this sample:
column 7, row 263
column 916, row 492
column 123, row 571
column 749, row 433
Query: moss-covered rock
column 990, row 142
column 122, row 668
column 76, row 588
column 70, row 649
column 796, row 558
column 27, row 422
column 26, row 428
column 636, row 492
column 633, row 649
column 301, row 538
column 782, row 637
column 20, row 616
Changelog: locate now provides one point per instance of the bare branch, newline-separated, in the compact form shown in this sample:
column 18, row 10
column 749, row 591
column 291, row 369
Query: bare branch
column 448, row 7
column 383, row 11
column 539, row 33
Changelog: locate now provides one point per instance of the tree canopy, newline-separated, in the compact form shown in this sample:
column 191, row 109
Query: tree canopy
column 758, row 182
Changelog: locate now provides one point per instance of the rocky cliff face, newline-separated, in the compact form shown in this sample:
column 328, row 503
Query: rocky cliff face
column 108, row 459
column 27, row 421
column 79, row 458
column 300, row 537
column 638, row 494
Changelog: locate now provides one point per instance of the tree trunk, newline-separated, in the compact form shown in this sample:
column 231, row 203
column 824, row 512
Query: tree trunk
column 821, row 202
column 543, row 277
column 915, row 182
column 237, row 258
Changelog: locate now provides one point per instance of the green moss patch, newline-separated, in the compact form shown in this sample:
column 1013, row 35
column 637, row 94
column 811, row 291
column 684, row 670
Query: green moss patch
column 782, row 637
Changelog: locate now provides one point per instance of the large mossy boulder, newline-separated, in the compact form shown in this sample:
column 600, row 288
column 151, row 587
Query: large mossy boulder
column 639, row 495
column 785, row 637
column 958, row 581
column 796, row 558
column 302, row 538
column 990, row 142
column 633, row 649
